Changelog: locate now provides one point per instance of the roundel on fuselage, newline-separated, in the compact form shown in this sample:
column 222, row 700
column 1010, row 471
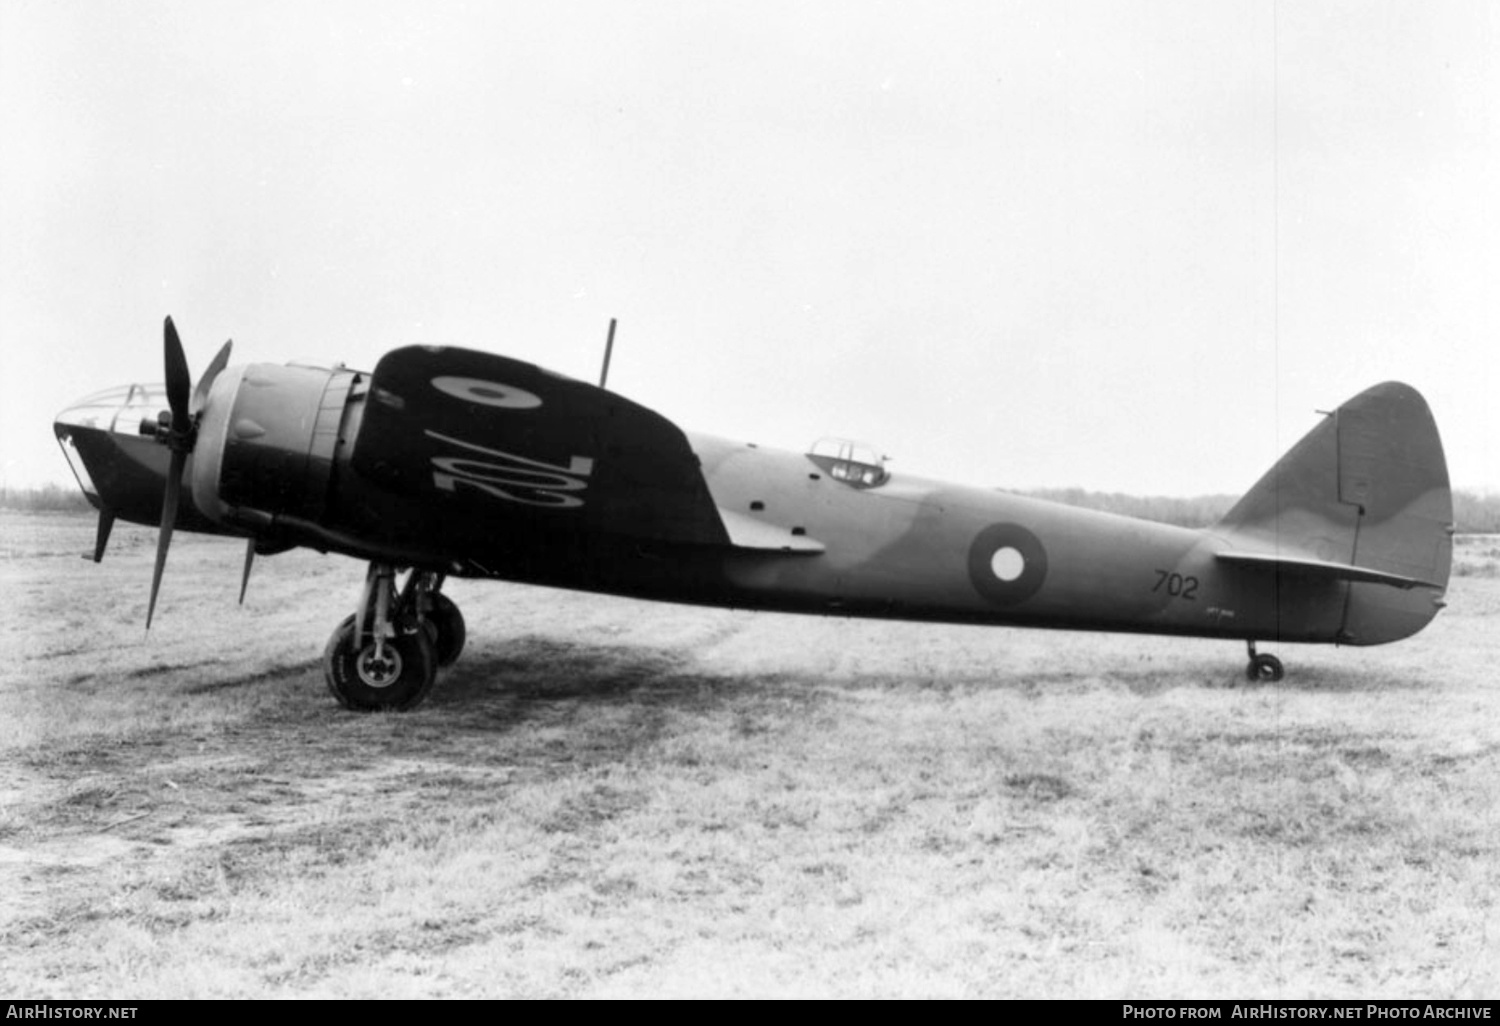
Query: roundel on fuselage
column 1007, row 564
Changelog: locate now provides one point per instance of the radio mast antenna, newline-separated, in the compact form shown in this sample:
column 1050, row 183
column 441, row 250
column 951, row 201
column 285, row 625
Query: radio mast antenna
column 609, row 347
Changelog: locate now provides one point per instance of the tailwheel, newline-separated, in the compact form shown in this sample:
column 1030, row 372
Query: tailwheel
column 1264, row 668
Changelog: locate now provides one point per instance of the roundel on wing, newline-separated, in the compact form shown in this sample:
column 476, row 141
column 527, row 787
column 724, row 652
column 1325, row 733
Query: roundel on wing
column 1007, row 564
column 487, row 393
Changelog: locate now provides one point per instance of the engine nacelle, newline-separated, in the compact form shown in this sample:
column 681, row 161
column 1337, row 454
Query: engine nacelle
column 267, row 441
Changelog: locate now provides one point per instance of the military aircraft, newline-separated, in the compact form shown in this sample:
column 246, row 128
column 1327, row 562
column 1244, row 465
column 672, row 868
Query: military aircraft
column 448, row 462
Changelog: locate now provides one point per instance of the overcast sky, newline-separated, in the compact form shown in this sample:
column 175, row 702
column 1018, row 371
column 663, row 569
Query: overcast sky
column 1122, row 245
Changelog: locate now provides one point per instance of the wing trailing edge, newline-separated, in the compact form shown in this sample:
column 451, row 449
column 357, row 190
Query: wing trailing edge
column 749, row 533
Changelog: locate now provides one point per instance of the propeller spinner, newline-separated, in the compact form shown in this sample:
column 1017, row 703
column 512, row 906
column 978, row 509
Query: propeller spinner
column 177, row 429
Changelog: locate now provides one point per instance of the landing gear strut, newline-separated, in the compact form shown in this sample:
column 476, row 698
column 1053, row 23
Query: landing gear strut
column 386, row 656
column 440, row 618
column 1263, row 668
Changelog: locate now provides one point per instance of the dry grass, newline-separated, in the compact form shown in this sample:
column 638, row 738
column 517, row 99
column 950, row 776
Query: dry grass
column 616, row 798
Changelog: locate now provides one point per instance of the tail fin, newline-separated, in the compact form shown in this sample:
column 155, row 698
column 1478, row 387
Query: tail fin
column 1363, row 498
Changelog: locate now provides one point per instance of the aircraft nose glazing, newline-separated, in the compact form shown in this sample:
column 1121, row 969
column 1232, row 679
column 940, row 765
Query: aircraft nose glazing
column 116, row 467
column 120, row 409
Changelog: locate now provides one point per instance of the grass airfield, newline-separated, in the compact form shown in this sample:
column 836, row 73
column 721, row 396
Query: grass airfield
column 612, row 798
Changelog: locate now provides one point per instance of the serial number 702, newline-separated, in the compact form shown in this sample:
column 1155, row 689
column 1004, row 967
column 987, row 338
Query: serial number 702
column 1176, row 585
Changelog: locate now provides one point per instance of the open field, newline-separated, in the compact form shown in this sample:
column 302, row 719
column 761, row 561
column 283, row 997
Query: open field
column 609, row 797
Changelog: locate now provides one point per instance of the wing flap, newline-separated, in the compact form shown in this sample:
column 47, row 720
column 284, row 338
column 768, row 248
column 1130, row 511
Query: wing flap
column 1305, row 567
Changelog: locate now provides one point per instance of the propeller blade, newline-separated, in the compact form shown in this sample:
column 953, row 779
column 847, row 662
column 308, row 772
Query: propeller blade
column 101, row 534
column 168, row 521
column 220, row 360
column 179, row 379
column 245, row 576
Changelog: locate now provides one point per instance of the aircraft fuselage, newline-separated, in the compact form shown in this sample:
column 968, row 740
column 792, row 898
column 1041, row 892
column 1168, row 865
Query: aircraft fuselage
column 459, row 463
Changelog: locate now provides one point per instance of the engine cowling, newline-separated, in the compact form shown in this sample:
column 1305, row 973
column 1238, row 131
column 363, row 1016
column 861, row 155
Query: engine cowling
column 267, row 442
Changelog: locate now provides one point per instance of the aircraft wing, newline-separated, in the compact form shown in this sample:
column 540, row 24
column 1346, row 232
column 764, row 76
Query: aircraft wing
column 515, row 446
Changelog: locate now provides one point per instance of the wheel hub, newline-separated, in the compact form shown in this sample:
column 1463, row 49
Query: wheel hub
column 377, row 669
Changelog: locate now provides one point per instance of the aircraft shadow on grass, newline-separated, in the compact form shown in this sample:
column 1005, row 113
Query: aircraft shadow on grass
column 537, row 668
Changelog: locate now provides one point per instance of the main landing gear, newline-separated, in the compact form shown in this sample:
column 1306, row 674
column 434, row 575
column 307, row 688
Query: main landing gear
column 1265, row 668
column 386, row 655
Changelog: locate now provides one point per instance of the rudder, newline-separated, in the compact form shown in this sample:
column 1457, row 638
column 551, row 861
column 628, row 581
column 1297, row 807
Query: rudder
column 1364, row 497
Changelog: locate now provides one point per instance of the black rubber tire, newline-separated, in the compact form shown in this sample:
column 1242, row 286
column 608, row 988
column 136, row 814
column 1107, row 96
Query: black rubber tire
column 400, row 683
column 448, row 630
column 1265, row 669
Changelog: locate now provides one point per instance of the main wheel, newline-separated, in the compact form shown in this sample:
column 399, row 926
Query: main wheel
column 367, row 679
column 448, row 632
column 1264, row 669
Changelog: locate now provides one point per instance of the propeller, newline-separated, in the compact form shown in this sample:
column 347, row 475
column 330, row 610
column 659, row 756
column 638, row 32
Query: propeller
column 249, row 561
column 217, row 364
column 177, row 429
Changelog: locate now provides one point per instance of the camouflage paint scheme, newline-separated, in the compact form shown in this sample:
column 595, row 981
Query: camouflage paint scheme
column 469, row 464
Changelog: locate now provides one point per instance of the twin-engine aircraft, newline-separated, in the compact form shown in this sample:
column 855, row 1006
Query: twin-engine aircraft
column 448, row 462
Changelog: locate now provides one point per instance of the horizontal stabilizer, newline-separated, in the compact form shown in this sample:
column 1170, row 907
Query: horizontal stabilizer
column 749, row 533
column 1321, row 568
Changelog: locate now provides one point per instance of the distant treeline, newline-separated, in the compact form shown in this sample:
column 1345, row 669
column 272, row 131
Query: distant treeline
column 1199, row 511
column 48, row 498
column 1475, row 512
